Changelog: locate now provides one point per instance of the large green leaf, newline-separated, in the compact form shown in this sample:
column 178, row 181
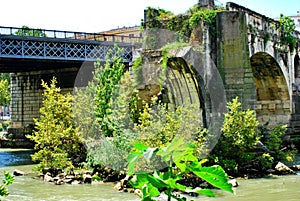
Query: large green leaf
column 139, row 180
column 140, row 146
column 215, row 175
column 156, row 180
column 152, row 190
column 206, row 192
column 176, row 150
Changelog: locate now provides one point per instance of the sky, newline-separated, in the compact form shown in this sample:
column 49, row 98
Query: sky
column 98, row 15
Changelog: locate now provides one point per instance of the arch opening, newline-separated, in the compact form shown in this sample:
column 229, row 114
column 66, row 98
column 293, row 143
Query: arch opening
column 272, row 95
column 184, row 86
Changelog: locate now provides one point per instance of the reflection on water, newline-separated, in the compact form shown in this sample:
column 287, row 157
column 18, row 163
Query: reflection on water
column 28, row 189
column 15, row 157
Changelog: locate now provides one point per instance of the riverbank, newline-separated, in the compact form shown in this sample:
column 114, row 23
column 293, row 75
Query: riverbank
column 26, row 188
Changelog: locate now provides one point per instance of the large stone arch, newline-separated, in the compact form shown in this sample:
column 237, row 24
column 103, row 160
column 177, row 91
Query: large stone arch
column 272, row 93
column 189, row 77
column 185, row 86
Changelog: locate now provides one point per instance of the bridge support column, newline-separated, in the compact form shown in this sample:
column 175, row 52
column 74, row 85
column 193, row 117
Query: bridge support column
column 233, row 58
column 26, row 92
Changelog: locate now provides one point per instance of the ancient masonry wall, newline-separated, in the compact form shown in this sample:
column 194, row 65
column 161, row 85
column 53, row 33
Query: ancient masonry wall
column 26, row 93
column 233, row 58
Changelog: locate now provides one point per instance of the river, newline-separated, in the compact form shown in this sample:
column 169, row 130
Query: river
column 25, row 188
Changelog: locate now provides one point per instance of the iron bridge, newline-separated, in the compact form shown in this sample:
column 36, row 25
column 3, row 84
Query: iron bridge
column 41, row 44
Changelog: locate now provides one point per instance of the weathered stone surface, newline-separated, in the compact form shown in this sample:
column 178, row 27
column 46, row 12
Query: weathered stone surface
column 122, row 184
column 87, row 178
column 48, row 178
column 19, row 173
column 283, row 169
column 233, row 182
column 75, row 182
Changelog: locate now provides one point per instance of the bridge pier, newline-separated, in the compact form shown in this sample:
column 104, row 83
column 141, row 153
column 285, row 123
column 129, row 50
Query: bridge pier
column 233, row 58
column 26, row 92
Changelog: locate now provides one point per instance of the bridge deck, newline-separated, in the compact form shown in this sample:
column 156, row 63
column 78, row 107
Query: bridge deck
column 61, row 46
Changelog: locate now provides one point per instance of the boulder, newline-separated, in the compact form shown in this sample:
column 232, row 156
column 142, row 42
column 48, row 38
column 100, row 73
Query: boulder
column 19, row 173
column 75, row 182
column 296, row 167
column 68, row 181
column 87, row 178
column 48, row 178
column 233, row 182
column 59, row 182
column 283, row 169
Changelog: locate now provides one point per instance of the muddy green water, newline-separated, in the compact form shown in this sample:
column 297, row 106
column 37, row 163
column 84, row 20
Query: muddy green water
column 281, row 188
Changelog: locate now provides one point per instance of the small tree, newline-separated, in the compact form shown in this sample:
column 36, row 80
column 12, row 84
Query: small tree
column 107, row 78
column 239, row 137
column 287, row 27
column 57, row 141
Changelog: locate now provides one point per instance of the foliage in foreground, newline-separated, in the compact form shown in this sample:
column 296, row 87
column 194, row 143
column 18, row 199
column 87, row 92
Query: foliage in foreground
column 56, row 140
column 8, row 180
column 178, row 152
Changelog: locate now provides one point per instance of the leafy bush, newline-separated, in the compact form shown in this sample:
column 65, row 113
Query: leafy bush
column 56, row 140
column 160, row 123
column 238, row 139
column 237, row 150
column 273, row 139
column 108, row 102
column 178, row 152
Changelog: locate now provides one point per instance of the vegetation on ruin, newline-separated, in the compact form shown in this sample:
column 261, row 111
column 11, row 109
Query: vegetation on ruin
column 287, row 27
column 183, row 24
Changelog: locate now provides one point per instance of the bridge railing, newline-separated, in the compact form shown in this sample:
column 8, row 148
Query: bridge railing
column 69, row 35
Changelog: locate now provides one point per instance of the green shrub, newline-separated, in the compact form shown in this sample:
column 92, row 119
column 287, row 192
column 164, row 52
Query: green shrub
column 56, row 140
column 107, row 78
column 160, row 123
column 106, row 127
column 238, row 138
column 273, row 139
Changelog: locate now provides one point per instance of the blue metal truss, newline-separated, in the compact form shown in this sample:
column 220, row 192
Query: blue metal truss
column 72, row 47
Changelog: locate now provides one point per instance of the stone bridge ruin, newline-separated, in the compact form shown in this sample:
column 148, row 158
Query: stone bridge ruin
column 243, row 57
